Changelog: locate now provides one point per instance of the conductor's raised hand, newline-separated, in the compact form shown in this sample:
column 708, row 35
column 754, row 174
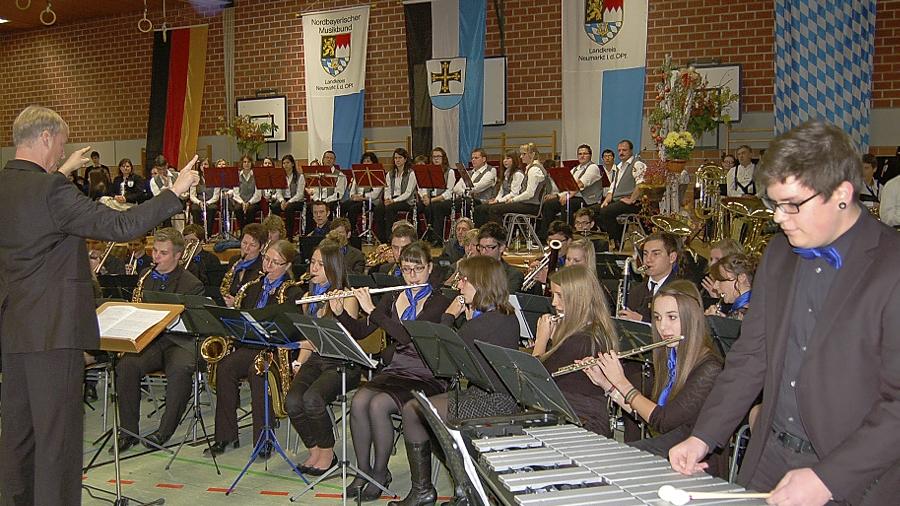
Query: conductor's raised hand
column 187, row 178
column 685, row 457
column 75, row 160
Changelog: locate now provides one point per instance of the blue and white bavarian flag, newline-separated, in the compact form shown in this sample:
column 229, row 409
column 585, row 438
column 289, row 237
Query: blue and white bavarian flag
column 823, row 64
column 604, row 52
column 334, row 47
column 445, row 51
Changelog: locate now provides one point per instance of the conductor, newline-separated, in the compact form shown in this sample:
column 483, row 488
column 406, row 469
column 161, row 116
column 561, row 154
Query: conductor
column 47, row 314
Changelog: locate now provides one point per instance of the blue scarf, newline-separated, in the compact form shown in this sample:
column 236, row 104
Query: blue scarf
column 243, row 265
column 268, row 289
column 561, row 262
column 397, row 271
column 671, row 363
column 829, row 253
column 476, row 313
column 741, row 302
column 315, row 290
column 410, row 312
column 320, row 231
column 197, row 258
column 162, row 278
column 344, row 250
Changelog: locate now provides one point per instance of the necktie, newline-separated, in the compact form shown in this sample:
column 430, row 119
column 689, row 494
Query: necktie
column 269, row 288
column 410, row 312
column 829, row 253
column 670, row 364
column 653, row 288
column 316, row 290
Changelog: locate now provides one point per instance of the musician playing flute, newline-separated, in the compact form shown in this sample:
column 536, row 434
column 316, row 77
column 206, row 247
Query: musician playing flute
column 821, row 339
column 318, row 382
column 390, row 389
column 684, row 373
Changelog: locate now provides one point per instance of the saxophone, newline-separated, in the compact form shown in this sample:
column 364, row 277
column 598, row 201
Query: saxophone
column 138, row 294
column 280, row 372
column 225, row 287
column 214, row 348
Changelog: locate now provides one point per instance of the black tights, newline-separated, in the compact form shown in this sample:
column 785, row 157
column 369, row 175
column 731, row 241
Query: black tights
column 415, row 428
column 370, row 423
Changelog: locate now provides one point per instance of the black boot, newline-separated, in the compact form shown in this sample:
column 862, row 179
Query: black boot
column 422, row 491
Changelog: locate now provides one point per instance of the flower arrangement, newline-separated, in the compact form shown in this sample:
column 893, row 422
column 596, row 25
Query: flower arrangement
column 678, row 145
column 249, row 135
column 686, row 104
column 656, row 173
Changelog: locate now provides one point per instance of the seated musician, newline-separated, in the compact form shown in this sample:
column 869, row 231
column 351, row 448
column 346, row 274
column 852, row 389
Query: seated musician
column 581, row 252
column 659, row 255
column 137, row 257
column 585, row 227
column 246, row 196
column 453, row 249
column 127, row 187
column 717, row 251
column 399, row 193
column 590, row 183
column 488, row 318
column 331, row 194
column 557, row 231
column 204, row 199
column 318, row 382
column 275, row 229
column 204, row 263
column 354, row 259
column 733, row 277
column 287, row 202
column 623, row 196
column 438, row 203
column 362, row 198
column 512, row 184
column 320, row 214
column 273, row 286
column 529, row 200
column 870, row 193
column 391, row 388
column 112, row 265
column 585, row 330
column 174, row 354
column 164, row 176
column 685, row 372
column 492, row 243
column 483, row 178
column 246, row 266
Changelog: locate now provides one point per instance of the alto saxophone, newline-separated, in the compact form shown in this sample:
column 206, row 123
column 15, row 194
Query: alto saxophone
column 214, row 348
column 278, row 364
column 138, row 294
column 225, row 287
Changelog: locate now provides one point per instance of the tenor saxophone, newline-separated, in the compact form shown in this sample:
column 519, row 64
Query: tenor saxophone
column 214, row 348
column 225, row 287
column 278, row 364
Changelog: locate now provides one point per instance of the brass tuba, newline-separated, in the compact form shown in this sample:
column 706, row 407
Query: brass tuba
column 710, row 178
column 278, row 363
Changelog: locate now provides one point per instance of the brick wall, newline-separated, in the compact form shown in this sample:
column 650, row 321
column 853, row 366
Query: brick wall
column 95, row 73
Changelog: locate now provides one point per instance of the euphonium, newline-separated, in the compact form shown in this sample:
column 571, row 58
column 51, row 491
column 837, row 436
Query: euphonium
column 280, row 373
column 379, row 255
column 138, row 294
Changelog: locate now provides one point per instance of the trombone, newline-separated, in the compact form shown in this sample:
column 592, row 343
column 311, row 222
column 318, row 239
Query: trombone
column 625, row 354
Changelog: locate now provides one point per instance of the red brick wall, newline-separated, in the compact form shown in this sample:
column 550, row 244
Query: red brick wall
column 95, row 73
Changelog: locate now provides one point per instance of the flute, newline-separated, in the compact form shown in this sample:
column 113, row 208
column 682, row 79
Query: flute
column 625, row 354
column 343, row 294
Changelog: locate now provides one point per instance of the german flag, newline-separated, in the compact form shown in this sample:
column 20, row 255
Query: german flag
column 176, row 94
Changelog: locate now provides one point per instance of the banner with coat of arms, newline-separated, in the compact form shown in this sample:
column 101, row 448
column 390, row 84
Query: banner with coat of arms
column 604, row 52
column 334, row 47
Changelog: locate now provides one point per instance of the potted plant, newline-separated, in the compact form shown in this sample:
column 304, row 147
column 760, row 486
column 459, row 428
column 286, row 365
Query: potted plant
column 249, row 135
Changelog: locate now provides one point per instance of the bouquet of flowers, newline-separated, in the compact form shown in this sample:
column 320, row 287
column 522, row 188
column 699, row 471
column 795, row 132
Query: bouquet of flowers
column 249, row 135
column 656, row 174
column 678, row 145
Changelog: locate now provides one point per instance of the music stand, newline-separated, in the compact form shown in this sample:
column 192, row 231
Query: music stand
column 318, row 176
column 198, row 323
column 383, row 280
column 332, row 340
column 360, row 281
column 532, row 308
column 633, row 334
column 222, row 178
column 117, row 286
column 270, row 178
column 725, row 331
column 430, row 177
column 565, row 182
column 447, row 355
column 463, row 174
column 527, row 380
column 267, row 328
column 368, row 175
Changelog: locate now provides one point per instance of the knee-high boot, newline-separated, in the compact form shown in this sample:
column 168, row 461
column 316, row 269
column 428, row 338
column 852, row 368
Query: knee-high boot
column 422, row 492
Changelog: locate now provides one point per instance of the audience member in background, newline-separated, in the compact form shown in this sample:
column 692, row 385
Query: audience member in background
column 740, row 179
column 246, row 196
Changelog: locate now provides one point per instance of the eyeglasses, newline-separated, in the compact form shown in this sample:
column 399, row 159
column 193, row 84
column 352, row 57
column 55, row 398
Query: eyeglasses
column 418, row 269
column 486, row 247
column 270, row 260
column 787, row 207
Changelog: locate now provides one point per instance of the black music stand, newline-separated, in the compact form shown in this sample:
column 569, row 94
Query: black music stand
column 332, row 340
column 383, row 280
column 725, row 331
column 565, row 182
column 527, row 380
column 223, row 178
column 117, row 286
column 447, row 355
column 368, row 175
column 633, row 334
column 430, row 177
column 532, row 308
column 463, row 174
column 197, row 323
column 267, row 328
column 270, row 178
column 360, row 281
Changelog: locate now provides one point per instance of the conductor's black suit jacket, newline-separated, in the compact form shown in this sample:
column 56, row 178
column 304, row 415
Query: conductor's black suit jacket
column 46, row 297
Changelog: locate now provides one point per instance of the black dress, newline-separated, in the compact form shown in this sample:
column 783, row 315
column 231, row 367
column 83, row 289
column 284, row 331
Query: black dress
column 405, row 371
column 587, row 399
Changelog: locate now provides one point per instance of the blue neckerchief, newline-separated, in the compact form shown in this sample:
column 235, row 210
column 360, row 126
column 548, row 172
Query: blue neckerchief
column 829, row 253
column 269, row 288
column 476, row 313
column 243, row 265
column 410, row 312
column 561, row 262
column 741, row 302
column 344, row 250
column 671, row 363
column 315, row 290
column 320, row 231
column 397, row 273
column 197, row 258
column 162, row 278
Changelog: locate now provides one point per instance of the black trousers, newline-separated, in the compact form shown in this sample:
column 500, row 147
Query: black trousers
column 497, row 211
column 245, row 218
column 552, row 210
column 212, row 211
column 236, row 366
column 436, row 213
column 386, row 215
column 42, row 428
column 606, row 217
column 316, row 385
column 287, row 211
column 178, row 363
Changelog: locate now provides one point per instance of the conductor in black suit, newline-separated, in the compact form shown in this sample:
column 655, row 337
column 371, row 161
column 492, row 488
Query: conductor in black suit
column 47, row 314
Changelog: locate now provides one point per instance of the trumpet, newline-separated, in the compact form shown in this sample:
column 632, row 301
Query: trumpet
column 343, row 294
column 625, row 354
column 553, row 247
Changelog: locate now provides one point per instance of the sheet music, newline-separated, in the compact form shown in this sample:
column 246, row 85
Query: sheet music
column 372, row 363
column 128, row 322
column 524, row 329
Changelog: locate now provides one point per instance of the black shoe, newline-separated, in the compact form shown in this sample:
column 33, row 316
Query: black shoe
column 355, row 486
column 156, row 438
column 421, row 491
column 371, row 492
column 220, row 447
column 125, row 442
column 315, row 471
